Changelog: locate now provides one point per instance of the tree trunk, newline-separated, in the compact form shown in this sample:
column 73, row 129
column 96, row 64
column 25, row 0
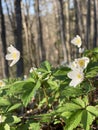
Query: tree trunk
column 3, row 37
column 62, row 29
column 95, row 24
column 19, row 45
column 88, row 23
column 11, row 19
column 67, row 30
column 40, row 32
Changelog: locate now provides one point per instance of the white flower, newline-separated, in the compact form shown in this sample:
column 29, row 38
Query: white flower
column 2, row 84
column 82, row 62
column 72, row 65
column 32, row 69
column 14, row 55
column 25, row 77
column 81, row 50
column 77, row 77
column 77, row 41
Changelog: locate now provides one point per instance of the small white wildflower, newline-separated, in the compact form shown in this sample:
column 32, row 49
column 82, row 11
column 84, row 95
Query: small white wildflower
column 32, row 69
column 77, row 41
column 77, row 77
column 2, row 84
column 81, row 50
column 82, row 62
column 25, row 77
column 72, row 65
column 14, row 55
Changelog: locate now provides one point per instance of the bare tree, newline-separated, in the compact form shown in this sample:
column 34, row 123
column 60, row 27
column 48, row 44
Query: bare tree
column 3, row 37
column 40, row 32
column 88, row 24
column 95, row 23
column 19, row 44
column 67, row 29
column 78, row 15
column 62, row 29
column 11, row 17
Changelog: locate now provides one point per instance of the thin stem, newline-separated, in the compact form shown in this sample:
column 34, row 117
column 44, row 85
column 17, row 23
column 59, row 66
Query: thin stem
column 45, row 95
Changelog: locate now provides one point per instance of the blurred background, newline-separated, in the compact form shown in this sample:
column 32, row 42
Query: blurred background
column 42, row 30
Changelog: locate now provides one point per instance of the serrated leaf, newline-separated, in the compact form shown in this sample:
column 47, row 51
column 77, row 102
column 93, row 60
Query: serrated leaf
column 85, row 99
column 30, row 92
column 68, row 107
column 79, row 102
column 72, row 92
column 74, row 120
column 66, row 114
column 87, row 119
column 93, row 110
column 18, row 86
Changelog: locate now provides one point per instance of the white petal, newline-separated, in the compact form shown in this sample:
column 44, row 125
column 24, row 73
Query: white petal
column 76, row 41
column 11, row 48
column 8, row 57
column 71, row 74
column 82, row 62
column 74, row 83
column 81, row 50
column 13, row 62
column 77, row 77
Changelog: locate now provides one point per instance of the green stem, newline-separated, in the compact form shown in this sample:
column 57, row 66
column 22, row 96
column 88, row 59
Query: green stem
column 45, row 96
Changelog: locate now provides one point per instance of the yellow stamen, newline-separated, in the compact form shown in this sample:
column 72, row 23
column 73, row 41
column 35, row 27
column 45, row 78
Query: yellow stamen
column 79, row 76
column 14, row 55
column 78, row 41
column 81, row 63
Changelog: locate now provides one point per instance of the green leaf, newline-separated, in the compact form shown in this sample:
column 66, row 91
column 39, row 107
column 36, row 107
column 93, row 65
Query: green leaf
column 85, row 99
column 52, row 84
column 87, row 119
column 79, row 102
column 30, row 93
column 74, row 120
column 61, row 73
column 95, row 50
column 71, row 92
column 18, row 87
column 34, row 126
column 69, row 107
column 6, row 127
column 66, row 114
column 17, row 105
column 16, row 119
column 45, row 66
column 4, row 102
column 45, row 117
column 93, row 110
column 92, row 70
